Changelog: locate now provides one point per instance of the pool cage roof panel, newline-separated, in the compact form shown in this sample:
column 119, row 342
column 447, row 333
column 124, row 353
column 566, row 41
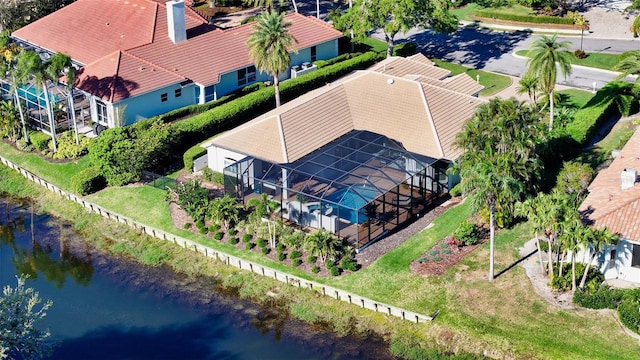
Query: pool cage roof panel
column 361, row 163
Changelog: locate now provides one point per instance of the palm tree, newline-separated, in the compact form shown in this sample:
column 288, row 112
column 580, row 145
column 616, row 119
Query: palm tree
column 8, row 53
column 635, row 26
column 489, row 185
column 224, row 210
column 268, row 46
column 30, row 65
column 322, row 244
column 629, row 64
column 546, row 55
column 573, row 237
column 599, row 239
column 530, row 208
column 264, row 208
column 528, row 84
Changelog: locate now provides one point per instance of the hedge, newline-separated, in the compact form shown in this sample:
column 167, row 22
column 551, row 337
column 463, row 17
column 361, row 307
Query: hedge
column 40, row 140
column 603, row 298
column 534, row 19
column 629, row 310
column 88, row 181
column 190, row 155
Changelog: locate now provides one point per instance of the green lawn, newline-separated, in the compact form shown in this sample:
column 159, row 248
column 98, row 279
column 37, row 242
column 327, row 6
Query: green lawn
column 465, row 12
column 493, row 83
column 594, row 60
column 574, row 98
column 57, row 173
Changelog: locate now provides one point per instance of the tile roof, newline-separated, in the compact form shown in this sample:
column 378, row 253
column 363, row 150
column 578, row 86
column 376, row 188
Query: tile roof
column 399, row 66
column 423, row 117
column 109, row 77
column 607, row 205
column 90, row 31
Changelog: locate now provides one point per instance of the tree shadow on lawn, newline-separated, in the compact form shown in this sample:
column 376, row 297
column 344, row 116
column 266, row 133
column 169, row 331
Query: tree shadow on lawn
column 471, row 45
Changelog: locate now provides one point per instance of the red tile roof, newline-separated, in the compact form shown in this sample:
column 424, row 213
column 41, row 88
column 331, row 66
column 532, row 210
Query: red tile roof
column 91, row 31
column 607, row 203
column 109, row 77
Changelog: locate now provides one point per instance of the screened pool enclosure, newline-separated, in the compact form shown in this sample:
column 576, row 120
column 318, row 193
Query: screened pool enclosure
column 360, row 186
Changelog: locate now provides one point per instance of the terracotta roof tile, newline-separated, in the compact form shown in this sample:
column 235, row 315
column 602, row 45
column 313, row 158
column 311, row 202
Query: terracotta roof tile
column 109, row 77
column 607, row 205
column 87, row 30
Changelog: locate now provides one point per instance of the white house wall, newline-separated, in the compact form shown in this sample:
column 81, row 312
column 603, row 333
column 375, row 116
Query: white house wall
column 619, row 267
column 216, row 157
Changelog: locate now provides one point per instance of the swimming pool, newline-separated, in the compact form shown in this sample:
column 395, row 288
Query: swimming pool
column 351, row 202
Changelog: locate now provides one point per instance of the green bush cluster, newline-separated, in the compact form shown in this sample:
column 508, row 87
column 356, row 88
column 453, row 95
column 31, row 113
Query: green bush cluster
column 40, row 140
column 246, row 238
column 613, row 99
column 218, row 235
column 534, row 19
column 88, row 181
column 281, row 256
column 194, row 199
column 262, row 243
column 405, row 49
column 468, row 233
column 315, row 269
column 605, row 297
column 348, row 263
column 564, row 282
column 67, row 147
column 334, row 270
column 233, row 240
column 209, row 175
column 629, row 310
column 335, row 60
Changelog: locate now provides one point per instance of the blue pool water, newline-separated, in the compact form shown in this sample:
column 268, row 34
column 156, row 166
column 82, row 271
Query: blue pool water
column 351, row 202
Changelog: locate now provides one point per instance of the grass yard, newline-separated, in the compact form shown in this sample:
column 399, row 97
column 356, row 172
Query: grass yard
column 594, row 60
column 57, row 173
column 574, row 98
column 493, row 83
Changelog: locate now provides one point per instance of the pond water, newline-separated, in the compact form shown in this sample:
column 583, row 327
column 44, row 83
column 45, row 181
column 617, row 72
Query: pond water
column 111, row 308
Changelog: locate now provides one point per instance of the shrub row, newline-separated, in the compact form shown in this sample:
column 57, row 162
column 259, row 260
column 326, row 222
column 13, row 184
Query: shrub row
column 88, row 181
column 629, row 310
column 534, row 19
column 613, row 99
column 604, row 297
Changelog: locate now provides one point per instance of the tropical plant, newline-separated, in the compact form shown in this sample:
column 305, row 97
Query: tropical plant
column 546, row 56
column 528, row 84
column 9, row 124
column 193, row 198
column 530, row 208
column 30, row 65
column 635, row 26
column 224, row 210
column 9, row 52
column 264, row 208
column 629, row 64
column 20, row 338
column 574, row 179
column 393, row 17
column 322, row 244
column 269, row 46
column 599, row 240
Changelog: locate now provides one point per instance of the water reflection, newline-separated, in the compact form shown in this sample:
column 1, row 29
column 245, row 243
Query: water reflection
column 55, row 261
column 117, row 309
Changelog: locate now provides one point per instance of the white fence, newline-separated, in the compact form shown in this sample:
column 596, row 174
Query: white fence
column 230, row 259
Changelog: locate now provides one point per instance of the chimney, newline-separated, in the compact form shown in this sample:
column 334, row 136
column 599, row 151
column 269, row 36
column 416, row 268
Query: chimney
column 176, row 21
column 628, row 178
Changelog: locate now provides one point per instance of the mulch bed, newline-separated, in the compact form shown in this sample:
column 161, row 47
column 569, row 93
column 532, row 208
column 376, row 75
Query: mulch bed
column 441, row 256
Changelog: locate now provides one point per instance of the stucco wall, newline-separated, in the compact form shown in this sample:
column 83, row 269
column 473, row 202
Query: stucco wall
column 150, row 104
column 217, row 157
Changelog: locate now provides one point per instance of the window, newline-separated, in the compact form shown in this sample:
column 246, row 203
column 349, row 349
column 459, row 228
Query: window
column 246, row 75
column 101, row 108
column 313, row 53
column 612, row 259
column 635, row 256
column 178, row 93
column 164, row 97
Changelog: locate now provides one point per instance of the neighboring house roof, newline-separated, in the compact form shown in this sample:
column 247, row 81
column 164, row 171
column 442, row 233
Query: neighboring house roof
column 607, row 204
column 414, row 65
column 423, row 117
column 91, row 31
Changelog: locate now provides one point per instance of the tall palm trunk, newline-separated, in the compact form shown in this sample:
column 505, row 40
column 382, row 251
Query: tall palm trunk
column 551, row 110
column 276, row 86
column 573, row 272
column 22, row 119
column 492, row 234
column 550, row 256
column 72, row 110
column 583, row 281
column 52, row 124
column 539, row 252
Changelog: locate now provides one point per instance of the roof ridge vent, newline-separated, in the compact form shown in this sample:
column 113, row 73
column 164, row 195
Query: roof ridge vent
column 628, row 178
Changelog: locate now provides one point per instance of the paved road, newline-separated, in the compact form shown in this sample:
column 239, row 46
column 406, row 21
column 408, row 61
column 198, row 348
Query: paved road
column 494, row 51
